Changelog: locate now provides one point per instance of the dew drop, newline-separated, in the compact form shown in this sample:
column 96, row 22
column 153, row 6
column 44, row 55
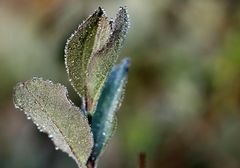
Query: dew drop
column 93, row 158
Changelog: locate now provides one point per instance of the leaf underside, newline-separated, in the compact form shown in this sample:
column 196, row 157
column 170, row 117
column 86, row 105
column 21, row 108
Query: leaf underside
column 49, row 108
column 104, row 119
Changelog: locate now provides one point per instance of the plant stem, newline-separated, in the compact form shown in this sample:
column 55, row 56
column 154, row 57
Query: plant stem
column 142, row 160
column 91, row 164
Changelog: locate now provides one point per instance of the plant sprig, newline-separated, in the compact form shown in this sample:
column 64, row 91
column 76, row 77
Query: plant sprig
column 90, row 55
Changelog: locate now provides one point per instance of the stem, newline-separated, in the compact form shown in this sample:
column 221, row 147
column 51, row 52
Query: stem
column 142, row 160
column 91, row 164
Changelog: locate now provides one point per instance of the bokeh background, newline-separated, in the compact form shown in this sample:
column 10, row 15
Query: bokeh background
column 182, row 104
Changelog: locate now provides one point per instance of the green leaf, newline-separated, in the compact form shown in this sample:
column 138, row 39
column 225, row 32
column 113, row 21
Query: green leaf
column 53, row 113
column 90, row 36
column 104, row 119
column 103, row 60
column 92, row 51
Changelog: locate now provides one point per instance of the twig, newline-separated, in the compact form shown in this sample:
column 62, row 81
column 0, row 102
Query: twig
column 142, row 160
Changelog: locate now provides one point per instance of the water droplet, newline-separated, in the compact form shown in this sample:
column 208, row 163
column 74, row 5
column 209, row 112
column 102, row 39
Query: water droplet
column 56, row 148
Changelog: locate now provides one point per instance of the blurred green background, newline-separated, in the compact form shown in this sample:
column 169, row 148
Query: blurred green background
column 182, row 104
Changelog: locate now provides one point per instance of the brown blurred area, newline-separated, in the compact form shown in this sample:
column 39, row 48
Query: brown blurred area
column 182, row 103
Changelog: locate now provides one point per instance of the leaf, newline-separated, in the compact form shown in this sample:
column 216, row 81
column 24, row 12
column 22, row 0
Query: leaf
column 103, row 60
column 49, row 108
column 90, row 36
column 91, row 52
column 104, row 119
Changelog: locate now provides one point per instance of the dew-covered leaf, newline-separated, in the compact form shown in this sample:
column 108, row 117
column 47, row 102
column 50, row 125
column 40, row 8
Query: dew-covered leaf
column 104, row 119
column 90, row 36
column 53, row 113
column 103, row 60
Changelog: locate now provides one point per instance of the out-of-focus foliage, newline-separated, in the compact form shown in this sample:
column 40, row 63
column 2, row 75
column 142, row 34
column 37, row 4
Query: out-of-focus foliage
column 104, row 119
column 182, row 105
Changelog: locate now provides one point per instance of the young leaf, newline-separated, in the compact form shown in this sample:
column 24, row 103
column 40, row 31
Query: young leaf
column 49, row 108
column 104, row 118
column 90, row 36
column 103, row 60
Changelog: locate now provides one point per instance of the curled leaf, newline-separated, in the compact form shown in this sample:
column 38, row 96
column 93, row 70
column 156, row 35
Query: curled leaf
column 104, row 119
column 102, row 61
column 91, row 53
column 49, row 108
column 90, row 36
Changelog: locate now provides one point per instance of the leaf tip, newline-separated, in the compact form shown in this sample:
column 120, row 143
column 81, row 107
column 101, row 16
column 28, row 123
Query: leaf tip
column 123, row 11
column 100, row 11
column 126, row 62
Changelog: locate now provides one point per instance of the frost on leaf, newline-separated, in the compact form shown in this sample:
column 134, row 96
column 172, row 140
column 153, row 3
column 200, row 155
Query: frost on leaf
column 91, row 52
column 102, row 61
column 49, row 108
column 90, row 36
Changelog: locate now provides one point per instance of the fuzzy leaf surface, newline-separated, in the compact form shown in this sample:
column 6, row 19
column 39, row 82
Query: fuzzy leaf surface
column 90, row 36
column 104, row 119
column 102, row 61
column 49, row 108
